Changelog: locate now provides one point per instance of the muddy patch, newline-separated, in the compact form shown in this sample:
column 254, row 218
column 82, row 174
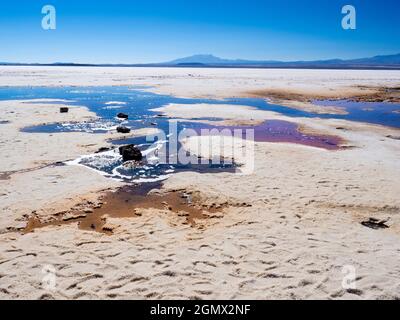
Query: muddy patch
column 379, row 94
column 5, row 175
column 129, row 202
column 365, row 94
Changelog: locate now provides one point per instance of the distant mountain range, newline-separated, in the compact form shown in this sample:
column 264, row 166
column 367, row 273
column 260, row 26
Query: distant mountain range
column 388, row 61
column 208, row 60
column 213, row 60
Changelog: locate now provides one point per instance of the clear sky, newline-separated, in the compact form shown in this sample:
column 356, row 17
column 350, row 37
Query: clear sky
column 140, row 31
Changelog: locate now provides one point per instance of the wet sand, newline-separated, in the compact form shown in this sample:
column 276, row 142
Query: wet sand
column 128, row 202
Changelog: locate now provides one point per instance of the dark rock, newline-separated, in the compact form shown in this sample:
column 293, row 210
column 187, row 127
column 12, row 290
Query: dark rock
column 64, row 110
column 122, row 129
column 393, row 137
column 130, row 153
column 103, row 149
column 375, row 223
column 122, row 115
column 153, row 123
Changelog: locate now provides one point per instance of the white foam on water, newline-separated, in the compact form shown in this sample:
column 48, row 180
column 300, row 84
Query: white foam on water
column 111, row 107
column 96, row 161
column 139, row 177
column 110, row 155
column 90, row 127
column 78, row 162
column 105, row 129
column 121, row 120
column 115, row 103
column 86, row 91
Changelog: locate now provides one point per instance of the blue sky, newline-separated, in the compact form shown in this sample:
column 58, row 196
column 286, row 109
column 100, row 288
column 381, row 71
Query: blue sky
column 143, row 31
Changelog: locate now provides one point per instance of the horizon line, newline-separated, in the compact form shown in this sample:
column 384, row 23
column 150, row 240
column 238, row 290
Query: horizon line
column 193, row 55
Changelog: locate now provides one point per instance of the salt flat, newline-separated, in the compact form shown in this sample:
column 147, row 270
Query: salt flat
column 302, row 228
column 195, row 82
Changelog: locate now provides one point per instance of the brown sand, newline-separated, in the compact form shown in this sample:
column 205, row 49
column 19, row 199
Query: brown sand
column 128, row 202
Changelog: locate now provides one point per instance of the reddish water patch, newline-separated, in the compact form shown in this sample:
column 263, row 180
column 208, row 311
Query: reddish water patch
column 281, row 131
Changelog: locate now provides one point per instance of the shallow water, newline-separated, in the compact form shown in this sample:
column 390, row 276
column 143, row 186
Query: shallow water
column 106, row 102
column 136, row 103
column 387, row 114
column 281, row 131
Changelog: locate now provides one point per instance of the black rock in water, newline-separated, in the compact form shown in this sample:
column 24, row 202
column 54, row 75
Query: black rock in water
column 130, row 153
column 64, row 110
column 122, row 115
column 122, row 129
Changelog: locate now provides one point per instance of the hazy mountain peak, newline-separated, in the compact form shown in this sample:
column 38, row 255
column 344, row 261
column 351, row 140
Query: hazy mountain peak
column 200, row 58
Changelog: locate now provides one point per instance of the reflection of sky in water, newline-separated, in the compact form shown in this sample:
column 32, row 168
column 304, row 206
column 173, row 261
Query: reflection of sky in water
column 387, row 114
column 137, row 103
column 106, row 102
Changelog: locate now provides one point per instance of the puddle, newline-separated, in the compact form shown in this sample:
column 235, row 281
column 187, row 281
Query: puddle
column 151, row 168
column 283, row 131
column 106, row 102
column 386, row 114
column 126, row 203
column 103, row 100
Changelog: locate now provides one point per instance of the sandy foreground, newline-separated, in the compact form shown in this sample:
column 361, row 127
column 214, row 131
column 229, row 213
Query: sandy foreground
column 295, row 240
